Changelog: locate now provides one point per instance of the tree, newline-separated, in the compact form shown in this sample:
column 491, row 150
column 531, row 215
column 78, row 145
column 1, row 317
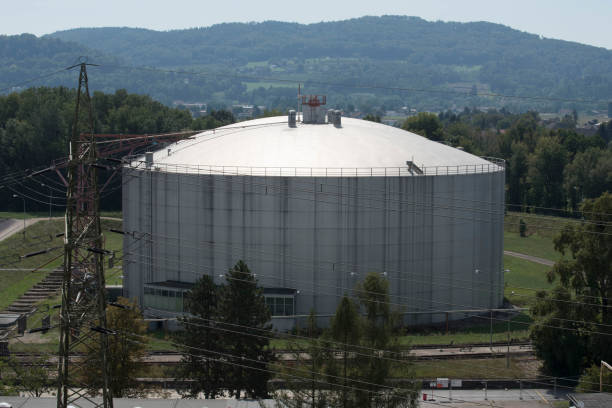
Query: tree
column 518, row 167
column 304, row 381
column 589, row 381
column 6, row 382
column 553, row 334
column 380, row 347
column 345, row 328
column 242, row 308
column 201, row 341
column 588, row 175
column 545, row 174
column 589, row 271
column 525, row 129
column 126, row 349
column 372, row 118
column 522, row 228
column 360, row 377
column 577, row 316
column 605, row 131
column 32, row 377
column 425, row 124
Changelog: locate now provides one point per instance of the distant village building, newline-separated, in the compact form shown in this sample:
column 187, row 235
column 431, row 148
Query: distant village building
column 243, row 111
column 197, row 109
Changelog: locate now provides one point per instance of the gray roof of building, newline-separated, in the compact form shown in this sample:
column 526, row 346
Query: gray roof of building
column 8, row 319
column 591, row 400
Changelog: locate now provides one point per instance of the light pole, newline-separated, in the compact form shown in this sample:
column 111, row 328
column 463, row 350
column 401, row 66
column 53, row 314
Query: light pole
column 24, row 213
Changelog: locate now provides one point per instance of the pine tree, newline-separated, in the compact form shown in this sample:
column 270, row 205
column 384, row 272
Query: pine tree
column 380, row 347
column 201, row 341
column 243, row 311
column 345, row 328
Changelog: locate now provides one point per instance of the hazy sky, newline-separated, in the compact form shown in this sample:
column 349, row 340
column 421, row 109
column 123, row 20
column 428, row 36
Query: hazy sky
column 585, row 21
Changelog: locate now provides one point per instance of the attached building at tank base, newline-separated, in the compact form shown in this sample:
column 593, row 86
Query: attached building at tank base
column 312, row 208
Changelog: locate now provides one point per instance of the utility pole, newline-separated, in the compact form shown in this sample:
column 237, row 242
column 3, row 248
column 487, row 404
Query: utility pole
column 491, row 330
column 83, row 310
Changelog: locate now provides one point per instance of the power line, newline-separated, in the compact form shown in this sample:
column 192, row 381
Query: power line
column 27, row 81
column 430, row 311
column 349, row 267
column 274, row 189
column 232, row 356
column 217, row 325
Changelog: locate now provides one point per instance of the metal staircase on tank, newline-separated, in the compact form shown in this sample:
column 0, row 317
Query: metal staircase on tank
column 44, row 289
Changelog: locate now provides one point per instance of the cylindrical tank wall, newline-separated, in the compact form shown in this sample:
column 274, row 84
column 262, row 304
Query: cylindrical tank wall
column 437, row 238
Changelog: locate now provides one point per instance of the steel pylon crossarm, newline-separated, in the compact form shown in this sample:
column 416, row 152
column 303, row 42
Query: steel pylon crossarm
column 82, row 349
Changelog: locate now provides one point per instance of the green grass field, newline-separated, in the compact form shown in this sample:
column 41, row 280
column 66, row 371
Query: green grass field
column 266, row 85
column 523, row 280
column 476, row 333
column 479, row 332
column 535, row 245
column 20, row 274
column 523, row 276
column 545, row 226
column 466, row 369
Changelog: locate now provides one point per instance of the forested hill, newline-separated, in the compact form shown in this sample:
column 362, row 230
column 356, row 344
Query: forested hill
column 389, row 51
column 26, row 56
column 405, row 51
column 385, row 38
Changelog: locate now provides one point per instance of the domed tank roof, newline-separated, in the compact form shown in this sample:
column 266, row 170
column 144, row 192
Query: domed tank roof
column 271, row 143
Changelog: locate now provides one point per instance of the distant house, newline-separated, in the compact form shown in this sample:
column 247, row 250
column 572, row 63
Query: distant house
column 242, row 111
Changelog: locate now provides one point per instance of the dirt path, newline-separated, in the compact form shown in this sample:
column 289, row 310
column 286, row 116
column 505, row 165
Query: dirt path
column 535, row 259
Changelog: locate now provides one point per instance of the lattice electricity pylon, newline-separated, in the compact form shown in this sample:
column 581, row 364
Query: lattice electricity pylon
column 83, row 311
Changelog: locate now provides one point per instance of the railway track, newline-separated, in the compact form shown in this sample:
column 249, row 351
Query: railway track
column 426, row 353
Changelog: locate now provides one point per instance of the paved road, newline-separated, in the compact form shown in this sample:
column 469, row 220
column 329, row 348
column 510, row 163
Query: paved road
column 11, row 226
column 535, row 259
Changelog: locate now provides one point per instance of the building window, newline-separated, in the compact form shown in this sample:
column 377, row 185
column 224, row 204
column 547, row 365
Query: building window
column 167, row 299
column 280, row 305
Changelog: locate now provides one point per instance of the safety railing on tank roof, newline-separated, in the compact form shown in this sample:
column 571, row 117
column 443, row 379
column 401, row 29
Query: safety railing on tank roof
column 493, row 166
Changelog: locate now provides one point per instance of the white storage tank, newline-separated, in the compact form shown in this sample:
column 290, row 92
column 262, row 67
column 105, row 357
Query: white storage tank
column 312, row 208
